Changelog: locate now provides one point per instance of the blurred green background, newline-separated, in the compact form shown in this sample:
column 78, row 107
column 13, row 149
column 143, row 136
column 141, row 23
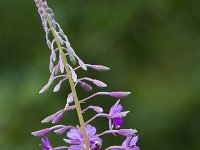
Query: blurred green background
column 151, row 46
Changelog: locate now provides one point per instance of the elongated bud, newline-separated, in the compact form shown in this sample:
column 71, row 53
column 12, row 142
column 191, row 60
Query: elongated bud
column 119, row 94
column 100, row 67
column 74, row 75
column 51, row 66
column 81, row 63
column 46, row 87
column 57, row 69
column 57, row 87
column 60, row 40
column 85, row 86
column 127, row 132
column 49, row 44
column 41, row 132
column 62, row 68
column 49, row 118
column 51, row 79
column 58, row 118
column 53, row 55
column 61, row 130
column 99, row 83
column 98, row 109
column 70, row 98
column 72, row 59
column 57, row 35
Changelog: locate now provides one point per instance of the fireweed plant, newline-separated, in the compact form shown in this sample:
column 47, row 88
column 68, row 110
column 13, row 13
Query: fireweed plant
column 83, row 136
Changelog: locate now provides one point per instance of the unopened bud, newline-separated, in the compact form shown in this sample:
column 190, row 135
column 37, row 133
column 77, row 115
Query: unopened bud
column 127, row 132
column 41, row 132
column 119, row 94
column 85, row 86
column 58, row 118
column 100, row 67
column 99, row 83
column 98, row 109
column 61, row 130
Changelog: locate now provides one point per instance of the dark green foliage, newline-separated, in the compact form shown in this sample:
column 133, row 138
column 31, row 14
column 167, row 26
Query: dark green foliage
column 152, row 48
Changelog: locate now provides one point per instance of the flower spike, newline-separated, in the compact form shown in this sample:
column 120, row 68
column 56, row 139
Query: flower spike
column 63, row 66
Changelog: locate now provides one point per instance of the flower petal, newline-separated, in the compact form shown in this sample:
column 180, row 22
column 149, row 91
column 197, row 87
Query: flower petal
column 118, row 121
column 136, row 148
column 75, row 134
column 134, row 141
column 74, row 147
column 126, row 142
column 91, row 130
column 46, row 141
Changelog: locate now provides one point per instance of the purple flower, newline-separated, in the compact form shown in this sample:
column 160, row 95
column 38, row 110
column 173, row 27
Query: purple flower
column 116, row 115
column 130, row 143
column 77, row 141
column 46, row 144
column 84, row 137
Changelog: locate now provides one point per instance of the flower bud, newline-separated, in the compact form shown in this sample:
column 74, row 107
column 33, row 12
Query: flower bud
column 57, row 87
column 100, row 67
column 72, row 59
column 49, row 118
column 74, row 75
column 59, row 38
column 53, row 55
column 99, row 83
column 70, row 98
column 81, row 63
column 98, row 109
column 58, row 118
column 44, row 5
column 85, row 86
column 61, row 130
column 49, row 44
column 127, row 132
column 44, row 89
column 49, row 10
column 119, row 94
column 62, row 68
column 40, row 11
column 51, row 66
column 41, row 132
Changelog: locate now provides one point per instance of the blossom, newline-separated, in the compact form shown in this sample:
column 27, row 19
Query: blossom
column 46, row 144
column 116, row 115
column 130, row 143
column 77, row 141
column 84, row 137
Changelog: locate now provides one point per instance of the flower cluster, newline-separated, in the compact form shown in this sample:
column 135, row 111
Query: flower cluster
column 62, row 71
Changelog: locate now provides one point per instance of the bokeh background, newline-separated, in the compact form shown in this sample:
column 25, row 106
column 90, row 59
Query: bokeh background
column 151, row 46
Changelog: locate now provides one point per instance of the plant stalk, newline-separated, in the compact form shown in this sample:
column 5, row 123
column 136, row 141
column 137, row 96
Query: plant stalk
column 72, row 85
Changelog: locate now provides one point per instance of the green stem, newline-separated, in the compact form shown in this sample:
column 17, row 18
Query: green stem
column 71, row 82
